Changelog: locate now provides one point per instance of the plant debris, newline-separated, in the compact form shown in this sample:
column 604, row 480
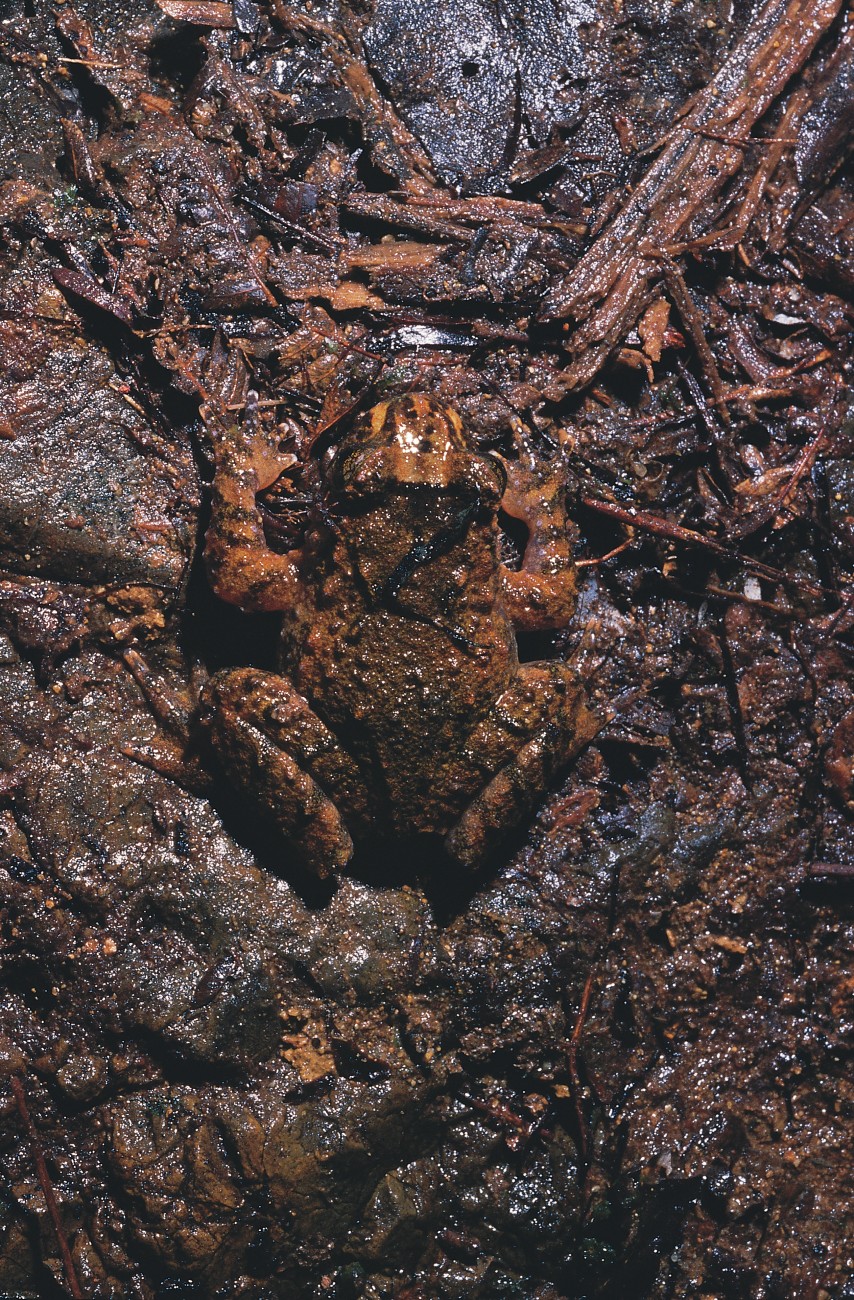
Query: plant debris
column 618, row 1061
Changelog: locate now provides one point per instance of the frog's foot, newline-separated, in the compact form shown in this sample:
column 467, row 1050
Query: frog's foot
column 242, row 568
column 171, row 760
column 281, row 756
column 253, row 446
column 541, row 594
column 535, row 727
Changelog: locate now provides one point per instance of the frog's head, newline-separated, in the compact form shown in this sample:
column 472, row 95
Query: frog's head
column 414, row 443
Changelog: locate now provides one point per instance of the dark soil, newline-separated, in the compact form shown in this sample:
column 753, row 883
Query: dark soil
column 617, row 1064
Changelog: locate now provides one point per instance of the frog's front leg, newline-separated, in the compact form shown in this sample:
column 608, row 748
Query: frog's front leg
column 286, row 761
column 241, row 567
column 534, row 728
column 541, row 594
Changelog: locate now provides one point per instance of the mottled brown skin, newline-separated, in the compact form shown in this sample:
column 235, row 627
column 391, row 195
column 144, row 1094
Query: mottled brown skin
column 401, row 707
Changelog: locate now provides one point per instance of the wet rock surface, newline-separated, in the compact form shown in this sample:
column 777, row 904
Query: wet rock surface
column 616, row 1062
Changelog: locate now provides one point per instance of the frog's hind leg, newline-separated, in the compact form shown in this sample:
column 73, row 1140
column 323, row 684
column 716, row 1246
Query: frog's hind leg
column 284, row 759
column 535, row 727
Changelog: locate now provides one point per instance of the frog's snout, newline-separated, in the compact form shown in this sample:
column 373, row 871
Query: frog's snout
column 416, row 424
column 414, row 442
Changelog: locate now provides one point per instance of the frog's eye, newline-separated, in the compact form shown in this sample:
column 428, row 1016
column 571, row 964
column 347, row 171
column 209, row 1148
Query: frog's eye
column 343, row 465
column 497, row 464
column 338, row 467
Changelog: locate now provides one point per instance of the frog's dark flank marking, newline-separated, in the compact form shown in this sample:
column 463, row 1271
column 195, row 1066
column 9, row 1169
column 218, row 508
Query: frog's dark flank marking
column 423, row 552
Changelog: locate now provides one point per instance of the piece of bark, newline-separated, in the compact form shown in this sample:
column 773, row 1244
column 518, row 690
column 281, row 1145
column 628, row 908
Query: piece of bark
column 608, row 289
column 204, row 13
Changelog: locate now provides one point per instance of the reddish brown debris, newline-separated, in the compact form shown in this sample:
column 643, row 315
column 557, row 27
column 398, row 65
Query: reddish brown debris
column 16, row 1083
column 609, row 287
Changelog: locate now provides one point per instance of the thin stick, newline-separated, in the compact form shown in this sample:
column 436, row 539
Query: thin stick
column 46, row 1185
column 574, row 1079
column 664, row 528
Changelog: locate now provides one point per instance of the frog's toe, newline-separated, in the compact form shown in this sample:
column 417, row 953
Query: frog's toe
column 503, row 803
column 535, row 728
column 284, row 793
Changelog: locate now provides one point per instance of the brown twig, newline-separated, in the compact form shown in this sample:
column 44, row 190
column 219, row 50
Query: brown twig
column 602, row 559
column 572, row 1067
column 707, row 416
column 690, row 317
column 677, row 533
column 739, row 598
column 90, row 63
column 805, row 462
column 744, row 141
column 46, row 1185
column 730, row 237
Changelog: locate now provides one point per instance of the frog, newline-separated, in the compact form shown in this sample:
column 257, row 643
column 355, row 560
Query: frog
column 399, row 707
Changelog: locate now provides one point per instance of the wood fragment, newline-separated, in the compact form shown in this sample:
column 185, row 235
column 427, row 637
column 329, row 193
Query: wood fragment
column 728, row 239
column 572, row 1067
column 204, row 13
column 87, row 288
column 17, row 1086
column 608, row 289
column 653, row 326
column 690, row 316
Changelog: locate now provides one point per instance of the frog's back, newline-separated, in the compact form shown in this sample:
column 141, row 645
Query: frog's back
column 403, row 644
column 402, row 679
